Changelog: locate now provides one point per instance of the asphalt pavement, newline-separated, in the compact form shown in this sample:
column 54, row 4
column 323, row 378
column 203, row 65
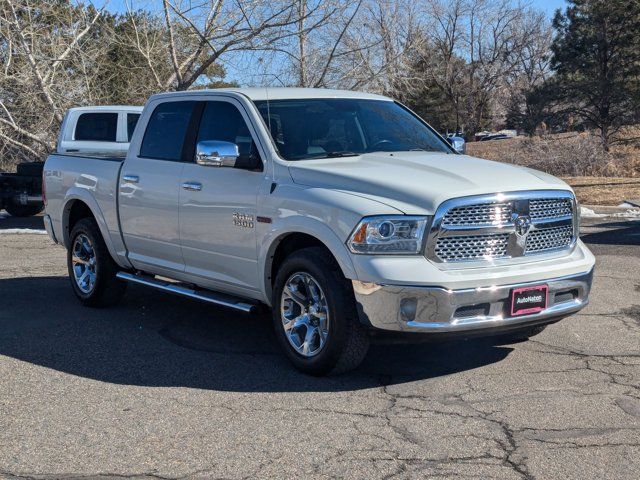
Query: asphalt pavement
column 165, row 387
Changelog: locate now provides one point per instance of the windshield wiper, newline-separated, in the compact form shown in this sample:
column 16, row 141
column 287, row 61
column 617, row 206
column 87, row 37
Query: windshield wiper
column 330, row 155
column 341, row 154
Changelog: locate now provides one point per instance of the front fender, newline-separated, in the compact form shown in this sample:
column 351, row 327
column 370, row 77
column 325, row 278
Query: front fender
column 312, row 228
column 327, row 215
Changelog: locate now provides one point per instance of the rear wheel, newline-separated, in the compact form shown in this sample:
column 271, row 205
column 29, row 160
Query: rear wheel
column 315, row 316
column 92, row 271
column 23, row 210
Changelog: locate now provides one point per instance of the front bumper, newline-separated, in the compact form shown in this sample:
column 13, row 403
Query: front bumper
column 436, row 309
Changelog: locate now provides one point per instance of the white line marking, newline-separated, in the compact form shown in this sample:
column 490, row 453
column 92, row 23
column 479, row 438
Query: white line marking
column 22, row 231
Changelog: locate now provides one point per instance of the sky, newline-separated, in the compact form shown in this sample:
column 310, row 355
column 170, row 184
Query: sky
column 548, row 6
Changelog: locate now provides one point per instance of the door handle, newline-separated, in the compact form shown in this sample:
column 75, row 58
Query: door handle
column 192, row 186
column 131, row 178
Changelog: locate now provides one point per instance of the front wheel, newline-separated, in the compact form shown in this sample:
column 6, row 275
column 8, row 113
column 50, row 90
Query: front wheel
column 92, row 271
column 314, row 314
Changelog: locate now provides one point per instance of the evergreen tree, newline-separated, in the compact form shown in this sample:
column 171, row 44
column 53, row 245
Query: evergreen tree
column 596, row 55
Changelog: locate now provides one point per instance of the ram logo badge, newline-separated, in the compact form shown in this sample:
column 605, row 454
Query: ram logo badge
column 523, row 225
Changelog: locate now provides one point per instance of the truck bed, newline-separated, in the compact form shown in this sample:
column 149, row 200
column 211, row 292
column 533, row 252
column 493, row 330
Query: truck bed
column 91, row 178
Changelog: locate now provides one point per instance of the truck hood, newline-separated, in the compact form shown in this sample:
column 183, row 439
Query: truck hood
column 417, row 182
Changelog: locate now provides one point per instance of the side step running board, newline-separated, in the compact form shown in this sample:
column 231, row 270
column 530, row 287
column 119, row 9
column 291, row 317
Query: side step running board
column 209, row 296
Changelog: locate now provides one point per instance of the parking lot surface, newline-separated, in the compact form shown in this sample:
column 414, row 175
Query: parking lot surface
column 164, row 387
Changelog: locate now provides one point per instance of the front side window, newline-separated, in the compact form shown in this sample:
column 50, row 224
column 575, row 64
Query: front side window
column 166, row 130
column 97, row 127
column 223, row 122
column 324, row 128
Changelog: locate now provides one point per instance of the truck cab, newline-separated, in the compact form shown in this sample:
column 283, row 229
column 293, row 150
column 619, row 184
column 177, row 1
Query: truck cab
column 98, row 129
column 344, row 213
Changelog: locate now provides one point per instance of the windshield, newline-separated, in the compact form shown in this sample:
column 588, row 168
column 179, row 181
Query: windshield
column 333, row 127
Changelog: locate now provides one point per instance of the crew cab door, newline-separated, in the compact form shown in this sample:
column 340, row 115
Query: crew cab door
column 149, row 190
column 218, row 205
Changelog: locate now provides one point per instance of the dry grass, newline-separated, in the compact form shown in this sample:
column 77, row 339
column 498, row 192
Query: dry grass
column 598, row 177
column 604, row 190
column 566, row 154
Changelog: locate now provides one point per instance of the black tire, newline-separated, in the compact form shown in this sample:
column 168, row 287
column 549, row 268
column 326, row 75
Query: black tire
column 23, row 210
column 347, row 341
column 107, row 289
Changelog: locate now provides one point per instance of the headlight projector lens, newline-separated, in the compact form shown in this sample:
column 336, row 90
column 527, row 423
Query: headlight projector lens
column 386, row 229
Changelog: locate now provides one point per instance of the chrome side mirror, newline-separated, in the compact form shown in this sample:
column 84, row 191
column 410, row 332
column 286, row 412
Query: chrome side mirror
column 458, row 144
column 214, row 153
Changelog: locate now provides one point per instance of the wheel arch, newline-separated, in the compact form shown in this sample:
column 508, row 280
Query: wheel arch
column 78, row 205
column 285, row 243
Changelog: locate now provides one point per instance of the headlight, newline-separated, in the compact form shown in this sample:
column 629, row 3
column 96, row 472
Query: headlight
column 396, row 234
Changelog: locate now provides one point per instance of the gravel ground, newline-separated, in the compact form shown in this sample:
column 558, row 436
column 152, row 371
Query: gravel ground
column 163, row 387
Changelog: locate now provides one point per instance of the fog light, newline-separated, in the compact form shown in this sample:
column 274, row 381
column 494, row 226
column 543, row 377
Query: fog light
column 408, row 308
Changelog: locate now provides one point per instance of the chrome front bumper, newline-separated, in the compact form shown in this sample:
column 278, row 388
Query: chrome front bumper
column 435, row 309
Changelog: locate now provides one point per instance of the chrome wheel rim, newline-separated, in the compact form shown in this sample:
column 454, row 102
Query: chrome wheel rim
column 304, row 314
column 83, row 261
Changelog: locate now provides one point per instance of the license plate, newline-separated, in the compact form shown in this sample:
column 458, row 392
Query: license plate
column 528, row 300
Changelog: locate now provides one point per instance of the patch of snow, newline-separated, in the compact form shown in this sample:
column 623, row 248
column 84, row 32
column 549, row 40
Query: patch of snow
column 22, row 231
column 631, row 213
column 4, row 215
column 588, row 213
column 626, row 205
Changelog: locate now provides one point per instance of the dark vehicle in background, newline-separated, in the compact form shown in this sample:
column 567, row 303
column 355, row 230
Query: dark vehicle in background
column 21, row 192
column 497, row 136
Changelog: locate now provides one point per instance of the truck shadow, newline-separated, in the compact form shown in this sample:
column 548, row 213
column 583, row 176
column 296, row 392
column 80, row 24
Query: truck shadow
column 7, row 222
column 615, row 233
column 151, row 339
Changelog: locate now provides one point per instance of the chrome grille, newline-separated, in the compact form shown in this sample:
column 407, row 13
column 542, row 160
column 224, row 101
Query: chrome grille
column 549, row 239
column 483, row 214
column 509, row 225
column 472, row 247
column 550, row 208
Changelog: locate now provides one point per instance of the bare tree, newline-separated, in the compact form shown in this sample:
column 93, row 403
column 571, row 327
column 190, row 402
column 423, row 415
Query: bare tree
column 521, row 90
column 201, row 34
column 359, row 44
column 471, row 47
column 44, row 57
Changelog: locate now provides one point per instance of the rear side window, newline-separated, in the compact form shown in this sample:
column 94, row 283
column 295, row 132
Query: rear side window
column 166, row 130
column 97, row 127
column 132, row 121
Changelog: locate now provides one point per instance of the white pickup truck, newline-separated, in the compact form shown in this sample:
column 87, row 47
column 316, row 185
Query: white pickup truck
column 106, row 128
column 343, row 212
